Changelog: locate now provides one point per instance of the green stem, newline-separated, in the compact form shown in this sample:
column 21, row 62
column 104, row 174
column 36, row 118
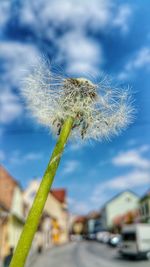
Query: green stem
column 33, row 218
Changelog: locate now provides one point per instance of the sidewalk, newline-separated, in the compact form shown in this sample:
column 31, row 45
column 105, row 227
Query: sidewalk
column 33, row 256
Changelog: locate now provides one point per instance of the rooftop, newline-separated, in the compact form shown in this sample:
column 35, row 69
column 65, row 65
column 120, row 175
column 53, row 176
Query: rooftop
column 59, row 194
column 7, row 187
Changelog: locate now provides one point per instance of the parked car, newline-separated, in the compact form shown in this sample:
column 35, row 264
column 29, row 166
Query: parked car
column 92, row 236
column 114, row 240
column 103, row 236
column 135, row 241
column 75, row 237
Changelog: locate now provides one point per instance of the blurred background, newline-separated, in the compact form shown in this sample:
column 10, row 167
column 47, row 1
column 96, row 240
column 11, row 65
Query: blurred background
column 100, row 186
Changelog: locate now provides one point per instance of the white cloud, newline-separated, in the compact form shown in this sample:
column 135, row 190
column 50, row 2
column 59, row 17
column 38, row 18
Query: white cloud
column 73, row 13
column 4, row 12
column 70, row 166
column 2, row 155
column 144, row 148
column 132, row 158
column 81, row 53
column 78, row 206
column 32, row 156
column 49, row 15
column 122, row 19
column 17, row 60
column 75, row 18
column 75, row 146
column 131, row 180
column 10, row 106
column 16, row 157
column 140, row 60
column 78, row 146
column 136, row 179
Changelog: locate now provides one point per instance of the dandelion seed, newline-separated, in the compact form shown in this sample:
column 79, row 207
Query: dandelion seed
column 99, row 110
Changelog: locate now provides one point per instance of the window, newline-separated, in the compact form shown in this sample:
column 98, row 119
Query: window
column 129, row 236
column 146, row 209
column 143, row 210
column 128, row 199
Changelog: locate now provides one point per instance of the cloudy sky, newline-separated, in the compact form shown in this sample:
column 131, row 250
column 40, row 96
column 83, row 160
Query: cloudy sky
column 80, row 38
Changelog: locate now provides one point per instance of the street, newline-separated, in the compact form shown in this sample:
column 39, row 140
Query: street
column 84, row 254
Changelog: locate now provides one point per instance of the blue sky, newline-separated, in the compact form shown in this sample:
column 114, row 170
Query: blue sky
column 81, row 38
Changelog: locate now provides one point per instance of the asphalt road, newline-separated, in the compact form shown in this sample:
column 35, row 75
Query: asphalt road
column 84, row 254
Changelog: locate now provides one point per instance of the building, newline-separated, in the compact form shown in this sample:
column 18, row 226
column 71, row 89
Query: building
column 4, row 215
column 56, row 207
column 93, row 224
column 54, row 221
column 79, row 225
column 11, row 212
column 127, row 218
column 119, row 205
column 144, row 207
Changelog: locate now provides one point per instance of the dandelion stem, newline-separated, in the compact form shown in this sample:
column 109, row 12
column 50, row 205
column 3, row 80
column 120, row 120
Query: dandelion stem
column 33, row 218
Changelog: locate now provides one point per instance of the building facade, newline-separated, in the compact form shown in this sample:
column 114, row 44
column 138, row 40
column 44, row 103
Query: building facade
column 144, row 206
column 11, row 212
column 121, row 204
column 54, row 222
column 93, row 224
column 79, row 225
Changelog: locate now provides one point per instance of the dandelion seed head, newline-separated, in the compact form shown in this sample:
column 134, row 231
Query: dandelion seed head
column 99, row 110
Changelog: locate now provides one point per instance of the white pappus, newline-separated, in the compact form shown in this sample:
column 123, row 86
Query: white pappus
column 99, row 110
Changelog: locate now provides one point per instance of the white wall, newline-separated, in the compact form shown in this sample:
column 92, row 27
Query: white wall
column 16, row 220
column 120, row 205
column 14, row 230
column 52, row 206
column 17, row 203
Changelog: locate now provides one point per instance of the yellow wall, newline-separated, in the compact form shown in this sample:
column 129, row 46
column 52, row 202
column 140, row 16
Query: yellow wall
column 16, row 221
column 55, row 209
column 17, row 203
column 13, row 225
column 4, row 245
column 14, row 230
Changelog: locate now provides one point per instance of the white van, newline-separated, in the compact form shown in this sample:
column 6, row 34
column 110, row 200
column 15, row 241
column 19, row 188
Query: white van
column 136, row 240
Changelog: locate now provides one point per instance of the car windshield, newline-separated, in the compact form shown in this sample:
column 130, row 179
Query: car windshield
column 129, row 236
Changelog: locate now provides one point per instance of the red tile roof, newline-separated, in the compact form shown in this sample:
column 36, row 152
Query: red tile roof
column 7, row 186
column 81, row 219
column 59, row 194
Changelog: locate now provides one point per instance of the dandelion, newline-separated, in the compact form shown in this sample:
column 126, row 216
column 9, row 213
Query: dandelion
column 98, row 110
column 70, row 107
